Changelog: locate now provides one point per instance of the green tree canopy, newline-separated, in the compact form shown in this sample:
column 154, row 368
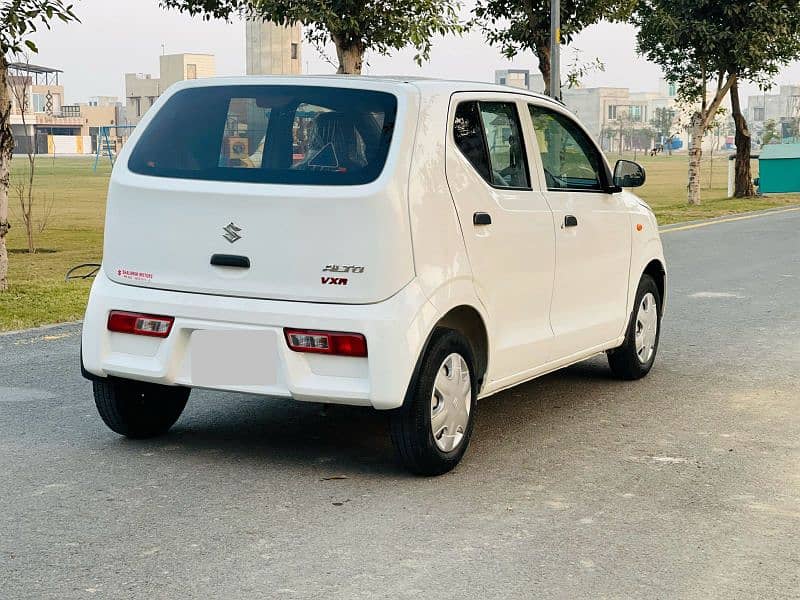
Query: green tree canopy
column 663, row 121
column 706, row 44
column 354, row 26
column 524, row 25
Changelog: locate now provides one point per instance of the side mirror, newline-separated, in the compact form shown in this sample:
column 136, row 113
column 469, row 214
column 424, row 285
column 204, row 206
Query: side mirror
column 628, row 174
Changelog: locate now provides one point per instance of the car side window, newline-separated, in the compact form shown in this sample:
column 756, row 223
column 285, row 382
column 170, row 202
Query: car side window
column 504, row 141
column 468, row 134
column 570, row 160
column 489, row 135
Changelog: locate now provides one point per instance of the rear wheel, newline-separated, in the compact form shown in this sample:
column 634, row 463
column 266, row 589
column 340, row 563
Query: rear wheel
column 136, row 409
column 431, row 431
column 635, row 358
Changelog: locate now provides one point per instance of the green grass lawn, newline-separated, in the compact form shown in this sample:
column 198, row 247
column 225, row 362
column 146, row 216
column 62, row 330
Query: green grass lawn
column 665, row 190
column 74, row 233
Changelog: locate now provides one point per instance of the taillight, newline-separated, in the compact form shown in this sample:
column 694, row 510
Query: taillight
column 139, row 324
column 326, row 342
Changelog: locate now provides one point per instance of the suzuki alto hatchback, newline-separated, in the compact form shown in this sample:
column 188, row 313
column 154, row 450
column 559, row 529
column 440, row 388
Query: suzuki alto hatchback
column 409, row 245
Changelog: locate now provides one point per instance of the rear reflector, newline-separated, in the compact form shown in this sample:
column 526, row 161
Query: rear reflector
column 326, row 342
column 139, row 324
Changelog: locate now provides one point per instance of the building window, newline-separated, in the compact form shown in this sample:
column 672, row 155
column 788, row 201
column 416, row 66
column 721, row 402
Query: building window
column 517, row 80
column 636, row 113
column 612, row 111
column 672, row 90
column 758, row 114
column 294, row 50
column 191, row 71
column 39, row 102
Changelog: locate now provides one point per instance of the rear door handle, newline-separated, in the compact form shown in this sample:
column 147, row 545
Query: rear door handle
column 570, row 221
column 481, row 218
column 230, row 260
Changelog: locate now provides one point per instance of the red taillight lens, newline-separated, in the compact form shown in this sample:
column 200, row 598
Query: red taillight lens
column 326, row 342
column 139, row 324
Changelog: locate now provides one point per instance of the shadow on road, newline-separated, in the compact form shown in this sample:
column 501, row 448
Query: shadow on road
column 278, row 433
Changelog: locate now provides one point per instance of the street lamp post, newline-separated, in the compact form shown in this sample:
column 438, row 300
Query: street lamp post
column 555, row 49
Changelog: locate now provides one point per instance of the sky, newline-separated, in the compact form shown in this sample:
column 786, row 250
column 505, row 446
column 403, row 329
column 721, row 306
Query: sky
column 126, row 36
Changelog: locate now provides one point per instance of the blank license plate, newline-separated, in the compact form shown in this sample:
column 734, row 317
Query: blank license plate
column 234, row 358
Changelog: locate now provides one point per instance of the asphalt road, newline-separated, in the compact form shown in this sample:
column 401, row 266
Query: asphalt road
column 683, row 485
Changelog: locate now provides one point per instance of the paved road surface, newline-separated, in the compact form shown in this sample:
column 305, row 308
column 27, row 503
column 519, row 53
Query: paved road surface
column 684, row 485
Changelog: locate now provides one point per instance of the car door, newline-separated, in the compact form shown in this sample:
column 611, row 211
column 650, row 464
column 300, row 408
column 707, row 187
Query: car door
column 593, row 235
column 507, row 228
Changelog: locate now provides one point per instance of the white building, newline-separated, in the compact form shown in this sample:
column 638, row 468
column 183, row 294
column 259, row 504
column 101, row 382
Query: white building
column 142, row 89
column 782, row 107
column 520, row 78
column 273, row 49
column 606, row 111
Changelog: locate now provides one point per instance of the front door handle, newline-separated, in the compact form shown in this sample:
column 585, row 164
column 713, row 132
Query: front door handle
column 481, row 218
column 570, row 221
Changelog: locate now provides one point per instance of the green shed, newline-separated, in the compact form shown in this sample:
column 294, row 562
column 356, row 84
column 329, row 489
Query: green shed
column 779, row 168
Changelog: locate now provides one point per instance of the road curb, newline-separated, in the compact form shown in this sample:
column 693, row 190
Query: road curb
column 41, row 328
column 730, row 217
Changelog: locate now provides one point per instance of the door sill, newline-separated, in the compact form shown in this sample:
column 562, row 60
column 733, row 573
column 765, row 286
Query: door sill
column 509, row 382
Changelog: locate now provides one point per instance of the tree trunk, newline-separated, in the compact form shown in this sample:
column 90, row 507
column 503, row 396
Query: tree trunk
column 543, row 54
column 743, row 187
column 350, row 54
column 695, row 155
column 6, row 147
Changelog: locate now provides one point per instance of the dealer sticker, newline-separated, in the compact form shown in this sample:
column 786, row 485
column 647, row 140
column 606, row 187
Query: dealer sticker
column 134, row 275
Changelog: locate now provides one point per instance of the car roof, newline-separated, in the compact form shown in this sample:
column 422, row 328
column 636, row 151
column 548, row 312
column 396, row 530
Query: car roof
column 395, row 82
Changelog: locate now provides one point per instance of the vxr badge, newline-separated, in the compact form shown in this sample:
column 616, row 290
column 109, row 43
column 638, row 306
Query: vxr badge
column 232, row 232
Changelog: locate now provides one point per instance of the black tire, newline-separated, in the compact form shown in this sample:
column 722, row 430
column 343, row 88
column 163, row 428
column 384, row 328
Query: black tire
column 411, row 430
column 139, row 410
column 624, row 361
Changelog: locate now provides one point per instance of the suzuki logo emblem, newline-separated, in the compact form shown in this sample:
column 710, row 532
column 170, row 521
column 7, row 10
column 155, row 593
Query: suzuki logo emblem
column 232, row 233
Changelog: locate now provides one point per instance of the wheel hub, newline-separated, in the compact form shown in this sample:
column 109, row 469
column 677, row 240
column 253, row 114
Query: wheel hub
column 646, row 332
column 451, row 402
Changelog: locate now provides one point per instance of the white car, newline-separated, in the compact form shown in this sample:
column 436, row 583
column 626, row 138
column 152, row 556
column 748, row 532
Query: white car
column 409, row 245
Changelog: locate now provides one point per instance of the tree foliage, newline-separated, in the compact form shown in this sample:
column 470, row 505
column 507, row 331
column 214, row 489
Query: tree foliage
column 524, row 25
column 770, row 133
column 354, row 26
column 663, row 121
column 706, row 43
column 20, row 19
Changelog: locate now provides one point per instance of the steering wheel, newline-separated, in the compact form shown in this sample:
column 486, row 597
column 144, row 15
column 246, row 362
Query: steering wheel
column 553, row 181
column 499, row 178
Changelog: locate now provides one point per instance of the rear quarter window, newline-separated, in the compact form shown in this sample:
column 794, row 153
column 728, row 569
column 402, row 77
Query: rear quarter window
column 304, row 135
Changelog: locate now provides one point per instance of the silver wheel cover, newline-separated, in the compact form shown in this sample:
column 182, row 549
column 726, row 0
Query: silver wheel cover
column 451, row 402
column 646, row 331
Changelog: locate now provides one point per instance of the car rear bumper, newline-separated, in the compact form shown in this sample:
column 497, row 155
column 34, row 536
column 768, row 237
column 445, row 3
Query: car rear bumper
column 395, row 329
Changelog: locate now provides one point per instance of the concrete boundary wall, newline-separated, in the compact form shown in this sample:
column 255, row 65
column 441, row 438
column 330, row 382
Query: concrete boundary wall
column 69, row 144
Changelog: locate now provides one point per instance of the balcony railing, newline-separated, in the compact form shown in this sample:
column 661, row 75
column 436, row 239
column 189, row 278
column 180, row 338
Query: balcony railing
column 70, row 111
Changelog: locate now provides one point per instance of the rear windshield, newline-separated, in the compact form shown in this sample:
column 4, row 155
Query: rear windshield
column 305, row 135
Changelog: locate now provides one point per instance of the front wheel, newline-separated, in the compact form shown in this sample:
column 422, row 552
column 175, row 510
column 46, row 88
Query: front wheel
column 136, row 409
column 431, row 431
column 635, row 358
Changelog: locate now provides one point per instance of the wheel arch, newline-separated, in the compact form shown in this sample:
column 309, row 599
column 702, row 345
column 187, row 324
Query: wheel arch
column 468, row 321
column 655, row 269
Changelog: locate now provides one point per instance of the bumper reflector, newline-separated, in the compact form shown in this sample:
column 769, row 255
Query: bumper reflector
column 326, row 342
column 139, row 324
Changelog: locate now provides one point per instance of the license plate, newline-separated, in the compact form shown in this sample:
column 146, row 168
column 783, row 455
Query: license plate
column 234, row 358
